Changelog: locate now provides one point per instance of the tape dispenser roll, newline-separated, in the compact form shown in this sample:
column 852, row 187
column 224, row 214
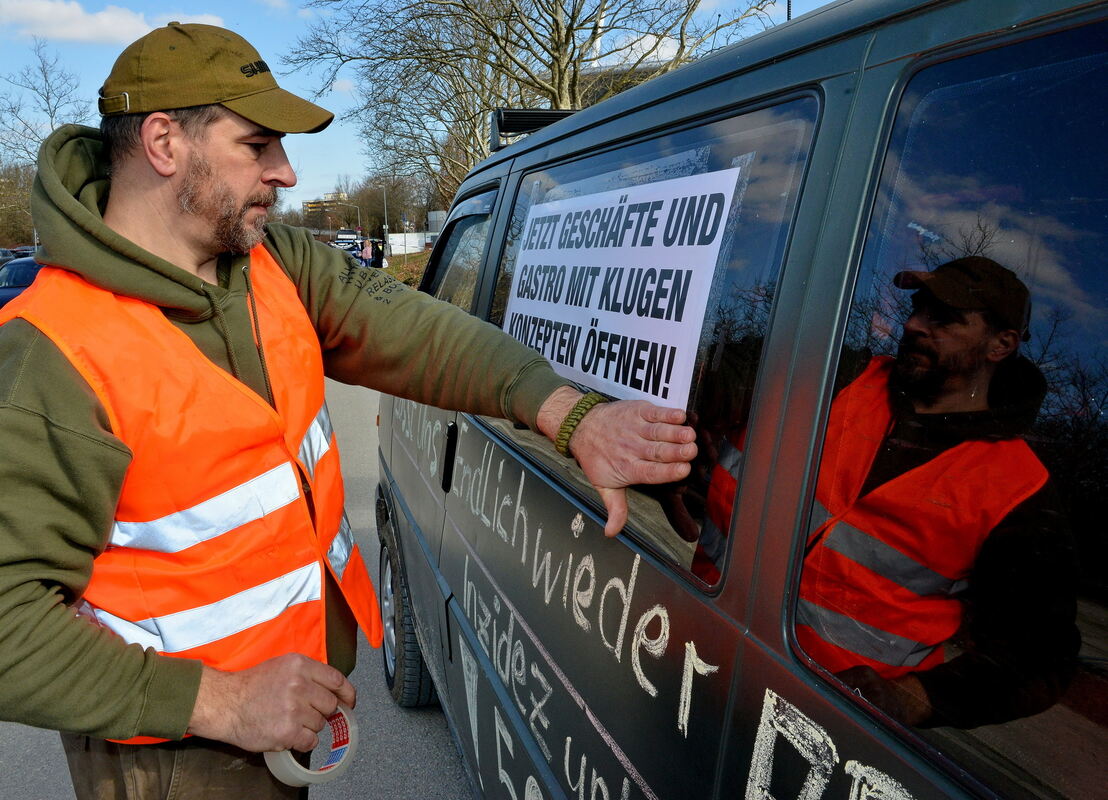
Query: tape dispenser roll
column 344, row 741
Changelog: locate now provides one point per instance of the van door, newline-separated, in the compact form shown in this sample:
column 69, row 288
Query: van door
column 582, row 666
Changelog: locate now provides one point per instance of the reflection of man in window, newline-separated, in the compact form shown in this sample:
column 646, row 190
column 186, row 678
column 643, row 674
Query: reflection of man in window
column 937, row 522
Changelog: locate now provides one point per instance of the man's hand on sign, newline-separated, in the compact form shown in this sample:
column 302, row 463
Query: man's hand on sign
column 621, row 444
column 280, row 704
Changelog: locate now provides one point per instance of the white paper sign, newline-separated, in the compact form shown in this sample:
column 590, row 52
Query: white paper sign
column 611, row 287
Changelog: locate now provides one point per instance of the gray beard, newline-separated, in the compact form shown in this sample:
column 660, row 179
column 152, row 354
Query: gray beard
column 927, row 383
column 202, row 196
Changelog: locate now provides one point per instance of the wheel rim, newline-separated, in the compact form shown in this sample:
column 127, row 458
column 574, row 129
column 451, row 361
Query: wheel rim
column 388, row 611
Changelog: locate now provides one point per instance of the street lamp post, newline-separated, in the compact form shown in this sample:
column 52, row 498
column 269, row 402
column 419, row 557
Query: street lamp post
column 351, row 205
column 385, row 225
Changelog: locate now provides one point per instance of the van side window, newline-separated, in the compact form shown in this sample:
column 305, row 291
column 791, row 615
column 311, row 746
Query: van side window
column 452, row 276
column 649, row 271
column 953, row 579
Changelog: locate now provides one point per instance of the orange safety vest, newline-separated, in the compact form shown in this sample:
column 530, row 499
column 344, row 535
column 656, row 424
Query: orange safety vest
column 880, row 580
column 722, row 485
column 231, row 509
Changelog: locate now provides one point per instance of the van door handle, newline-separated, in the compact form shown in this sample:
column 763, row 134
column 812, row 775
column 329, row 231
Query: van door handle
column 448, row 456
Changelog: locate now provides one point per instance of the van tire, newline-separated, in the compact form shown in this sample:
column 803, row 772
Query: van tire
column 406, row 673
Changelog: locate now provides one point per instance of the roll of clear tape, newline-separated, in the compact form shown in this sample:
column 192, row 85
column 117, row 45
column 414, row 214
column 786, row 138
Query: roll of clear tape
column 344, row 741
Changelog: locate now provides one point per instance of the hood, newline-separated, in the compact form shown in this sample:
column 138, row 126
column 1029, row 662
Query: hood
column 67, row 203
column 1016, row 393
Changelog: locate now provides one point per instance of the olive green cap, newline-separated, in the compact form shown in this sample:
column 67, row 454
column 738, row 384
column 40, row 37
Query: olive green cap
column 184, row 65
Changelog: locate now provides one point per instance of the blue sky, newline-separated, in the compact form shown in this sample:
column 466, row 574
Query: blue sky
column 87, row 35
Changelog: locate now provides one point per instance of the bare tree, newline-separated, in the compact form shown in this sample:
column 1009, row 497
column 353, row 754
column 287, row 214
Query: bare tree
column 418, row 119
column 430, row 71
column 43, row 96
column 15, row 203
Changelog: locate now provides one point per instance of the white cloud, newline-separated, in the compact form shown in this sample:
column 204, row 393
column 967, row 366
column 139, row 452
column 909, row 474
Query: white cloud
column 305, row 13
column 343, row 85
column 625, row 49
column 280, row 5
column 68, row 20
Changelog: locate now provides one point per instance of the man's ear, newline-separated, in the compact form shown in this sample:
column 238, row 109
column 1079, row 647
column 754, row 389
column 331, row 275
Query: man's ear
column 1002, row 345
column 162, row 141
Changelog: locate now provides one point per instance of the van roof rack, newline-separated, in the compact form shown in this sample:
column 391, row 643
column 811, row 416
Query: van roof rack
column 515, row 121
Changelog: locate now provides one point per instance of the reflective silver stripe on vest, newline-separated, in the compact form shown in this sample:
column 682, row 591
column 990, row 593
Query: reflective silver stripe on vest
column 730, row 457
column 214, row 517
column 341, row 547
column 184, row 630
column 857, row 637
column 317, row 440
column 712, row 538
column 820, row 515
column 888, row 562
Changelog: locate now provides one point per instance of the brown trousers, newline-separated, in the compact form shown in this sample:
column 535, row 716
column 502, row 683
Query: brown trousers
column 191, row 769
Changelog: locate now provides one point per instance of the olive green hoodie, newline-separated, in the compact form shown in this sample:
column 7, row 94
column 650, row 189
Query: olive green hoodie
column 61, row 466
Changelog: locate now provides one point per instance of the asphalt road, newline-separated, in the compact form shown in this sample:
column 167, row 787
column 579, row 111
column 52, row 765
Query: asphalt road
column 403, row 754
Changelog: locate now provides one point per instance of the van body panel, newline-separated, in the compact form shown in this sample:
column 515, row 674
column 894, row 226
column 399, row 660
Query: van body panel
column 385, row 406
column 579, row 667
column 415, row 475
column 788, row 732
column 607, row 613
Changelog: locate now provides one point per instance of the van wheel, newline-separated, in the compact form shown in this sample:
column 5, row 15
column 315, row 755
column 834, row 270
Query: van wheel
column 405, row 671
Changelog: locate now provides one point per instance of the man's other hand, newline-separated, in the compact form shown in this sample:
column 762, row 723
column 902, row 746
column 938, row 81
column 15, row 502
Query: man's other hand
column 621, row 444
column 280, row 704
column 904, row 698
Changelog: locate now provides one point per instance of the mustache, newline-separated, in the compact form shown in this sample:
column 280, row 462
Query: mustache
column 912, row 345
column 266, row 198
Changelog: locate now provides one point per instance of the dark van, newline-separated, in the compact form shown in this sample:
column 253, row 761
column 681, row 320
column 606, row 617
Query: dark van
column 806, row 240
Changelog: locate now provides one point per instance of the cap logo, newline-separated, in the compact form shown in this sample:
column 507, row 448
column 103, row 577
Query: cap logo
column 254, row 68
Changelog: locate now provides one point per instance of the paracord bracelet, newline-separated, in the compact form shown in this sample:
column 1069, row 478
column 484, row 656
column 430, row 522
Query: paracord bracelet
column 573, row 419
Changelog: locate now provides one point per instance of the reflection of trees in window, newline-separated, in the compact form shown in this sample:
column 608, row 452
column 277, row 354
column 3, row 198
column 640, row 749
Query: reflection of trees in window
column 731, row 346
column 872, row 329
column 723, row 388
column 1071, row 436
column 508, row 263
column 976, row 240
column 463, row 260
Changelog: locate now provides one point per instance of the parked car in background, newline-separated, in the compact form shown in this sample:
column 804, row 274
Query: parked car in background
column 345, row 237
column 24, row 250
column 15, row 276
column 6, row 255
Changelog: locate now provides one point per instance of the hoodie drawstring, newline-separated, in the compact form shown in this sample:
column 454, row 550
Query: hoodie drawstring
column 258, row 333
column 218, row 310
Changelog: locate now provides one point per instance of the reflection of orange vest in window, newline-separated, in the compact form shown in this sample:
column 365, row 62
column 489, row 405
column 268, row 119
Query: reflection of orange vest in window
column 231, row 509
column 879, row 583
column 722, row 483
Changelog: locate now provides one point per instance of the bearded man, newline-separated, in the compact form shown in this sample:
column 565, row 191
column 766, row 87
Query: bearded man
column 937, row 582
column 165, row 435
